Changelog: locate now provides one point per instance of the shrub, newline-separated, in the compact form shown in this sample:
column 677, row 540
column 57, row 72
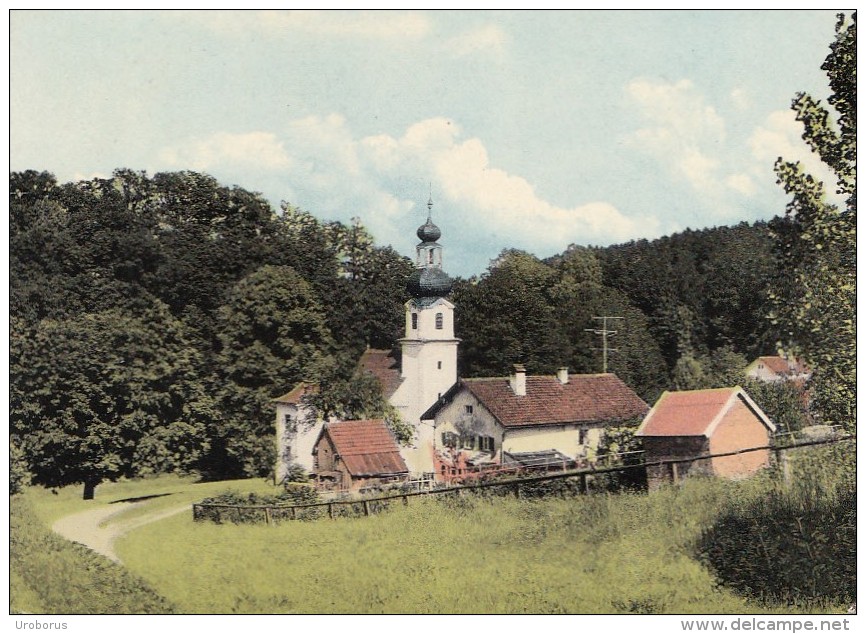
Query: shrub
column 797, row 543
column 247, row 506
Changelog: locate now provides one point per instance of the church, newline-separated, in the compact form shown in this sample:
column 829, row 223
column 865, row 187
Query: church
column 460, row 423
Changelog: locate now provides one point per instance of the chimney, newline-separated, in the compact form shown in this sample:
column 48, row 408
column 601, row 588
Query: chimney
column 518, row 381
column 562, row 375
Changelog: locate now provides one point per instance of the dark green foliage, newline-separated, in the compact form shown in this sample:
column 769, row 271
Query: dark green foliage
column 357, row 398
column 542, row 312
column 19, row 474
column 619, row 446
column 700, row 290
column 245, row 509
column 273, row 334
column 798, row 543
column 782, row 401
column 106, row 395
column 67, row 578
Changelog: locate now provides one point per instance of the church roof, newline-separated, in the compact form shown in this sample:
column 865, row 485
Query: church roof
column 366, row 447
column 383, row 365
column 585, row 398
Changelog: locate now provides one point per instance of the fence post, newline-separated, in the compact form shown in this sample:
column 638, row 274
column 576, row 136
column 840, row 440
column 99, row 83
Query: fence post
column 517, row 491
column 675, row 472
column 331, row 510
column 405, row 500
column 583, row 485
column 267, row 515
column 294, row 512
column 366, row 508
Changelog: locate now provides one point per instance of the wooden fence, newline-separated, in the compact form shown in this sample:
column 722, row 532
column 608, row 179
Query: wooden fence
column 517, row 486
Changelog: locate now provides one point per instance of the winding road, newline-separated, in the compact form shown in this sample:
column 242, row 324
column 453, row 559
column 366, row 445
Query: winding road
column 94, row 529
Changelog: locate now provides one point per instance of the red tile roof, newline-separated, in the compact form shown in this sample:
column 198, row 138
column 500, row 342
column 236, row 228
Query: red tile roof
column 590, row 398
column 782, row 366
column 695, row 412
column 298, row 392
column 382, row 365
column 366, row 447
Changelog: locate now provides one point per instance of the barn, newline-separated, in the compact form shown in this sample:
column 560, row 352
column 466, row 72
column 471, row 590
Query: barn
column 353, row 454
column 690, row 424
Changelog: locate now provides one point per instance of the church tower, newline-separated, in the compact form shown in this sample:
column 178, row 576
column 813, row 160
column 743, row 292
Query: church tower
column 429, row 359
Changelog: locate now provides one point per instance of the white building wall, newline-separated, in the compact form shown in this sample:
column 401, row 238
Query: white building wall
column 429, row 369
column 295, row 441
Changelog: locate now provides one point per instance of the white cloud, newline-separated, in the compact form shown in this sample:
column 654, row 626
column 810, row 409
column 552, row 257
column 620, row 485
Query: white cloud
column 254, row 149
column 484, row 38
column 683, row 131
column 317, row 162
column 742, row 183
column 740, row 99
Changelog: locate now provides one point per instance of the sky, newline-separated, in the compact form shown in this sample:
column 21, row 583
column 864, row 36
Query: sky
column 530, row 129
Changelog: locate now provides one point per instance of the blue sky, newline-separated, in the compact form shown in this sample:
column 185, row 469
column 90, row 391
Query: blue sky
column 535, row 129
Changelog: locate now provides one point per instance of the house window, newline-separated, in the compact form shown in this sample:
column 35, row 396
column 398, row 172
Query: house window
column 582, row 436
column 485, row 443
column 468, row 409
column 414, row 321
column 439, row 365
column 468, row 441
column 438, row 321
column 291, row 424
column 449, row 439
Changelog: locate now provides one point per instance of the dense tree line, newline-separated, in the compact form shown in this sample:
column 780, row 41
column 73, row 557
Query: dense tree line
column 154, row 318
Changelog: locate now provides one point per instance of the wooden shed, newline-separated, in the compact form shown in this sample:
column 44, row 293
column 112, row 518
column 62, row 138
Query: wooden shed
column 697, row 423
column 353, row 454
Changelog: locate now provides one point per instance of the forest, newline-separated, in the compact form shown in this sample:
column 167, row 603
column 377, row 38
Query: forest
column 153, row 318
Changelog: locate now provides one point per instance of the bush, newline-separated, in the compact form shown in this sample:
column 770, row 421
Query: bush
column 798, row 542
column 247, row 506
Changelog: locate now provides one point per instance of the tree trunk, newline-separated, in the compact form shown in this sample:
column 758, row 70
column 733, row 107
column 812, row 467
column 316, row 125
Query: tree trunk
column 90, row 489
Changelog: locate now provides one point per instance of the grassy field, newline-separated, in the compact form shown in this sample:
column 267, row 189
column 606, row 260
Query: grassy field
column 625, row 553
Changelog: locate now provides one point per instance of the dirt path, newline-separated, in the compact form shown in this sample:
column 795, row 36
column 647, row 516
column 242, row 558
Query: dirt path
column 86, row 529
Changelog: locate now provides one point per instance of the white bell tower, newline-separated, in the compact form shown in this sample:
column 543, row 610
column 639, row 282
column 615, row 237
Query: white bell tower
column 429, row 348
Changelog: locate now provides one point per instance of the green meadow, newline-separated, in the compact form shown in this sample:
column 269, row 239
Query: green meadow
column 600, row 553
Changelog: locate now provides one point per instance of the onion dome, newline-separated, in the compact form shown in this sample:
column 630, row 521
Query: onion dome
column 429, row 282
column 428, row 232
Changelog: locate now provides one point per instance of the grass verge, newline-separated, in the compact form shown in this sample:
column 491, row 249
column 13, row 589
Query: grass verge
column 49, row 575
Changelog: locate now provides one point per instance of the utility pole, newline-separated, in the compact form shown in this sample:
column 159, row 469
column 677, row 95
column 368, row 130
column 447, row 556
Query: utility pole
column 605, row 333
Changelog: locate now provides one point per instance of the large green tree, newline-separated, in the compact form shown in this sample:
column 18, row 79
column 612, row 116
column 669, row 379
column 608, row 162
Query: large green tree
column 273, row 334
column 815, row 296
column 105, row 395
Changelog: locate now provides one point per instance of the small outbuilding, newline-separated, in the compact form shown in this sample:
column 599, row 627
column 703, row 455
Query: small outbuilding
column 696, row 423
column 353, row 454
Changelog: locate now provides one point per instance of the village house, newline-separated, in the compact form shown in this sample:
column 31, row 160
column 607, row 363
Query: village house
column 353, row 454
column 297, row 429
column 778, row 368
column 523, row 419
column 696, row 423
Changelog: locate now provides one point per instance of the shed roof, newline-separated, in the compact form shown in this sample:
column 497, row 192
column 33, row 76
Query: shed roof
column 696, row 412
column 585, row 398
column 366, row 447
column 546, row 458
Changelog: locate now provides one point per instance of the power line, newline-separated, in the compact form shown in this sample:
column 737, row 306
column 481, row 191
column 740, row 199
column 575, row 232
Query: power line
column 605, row 334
